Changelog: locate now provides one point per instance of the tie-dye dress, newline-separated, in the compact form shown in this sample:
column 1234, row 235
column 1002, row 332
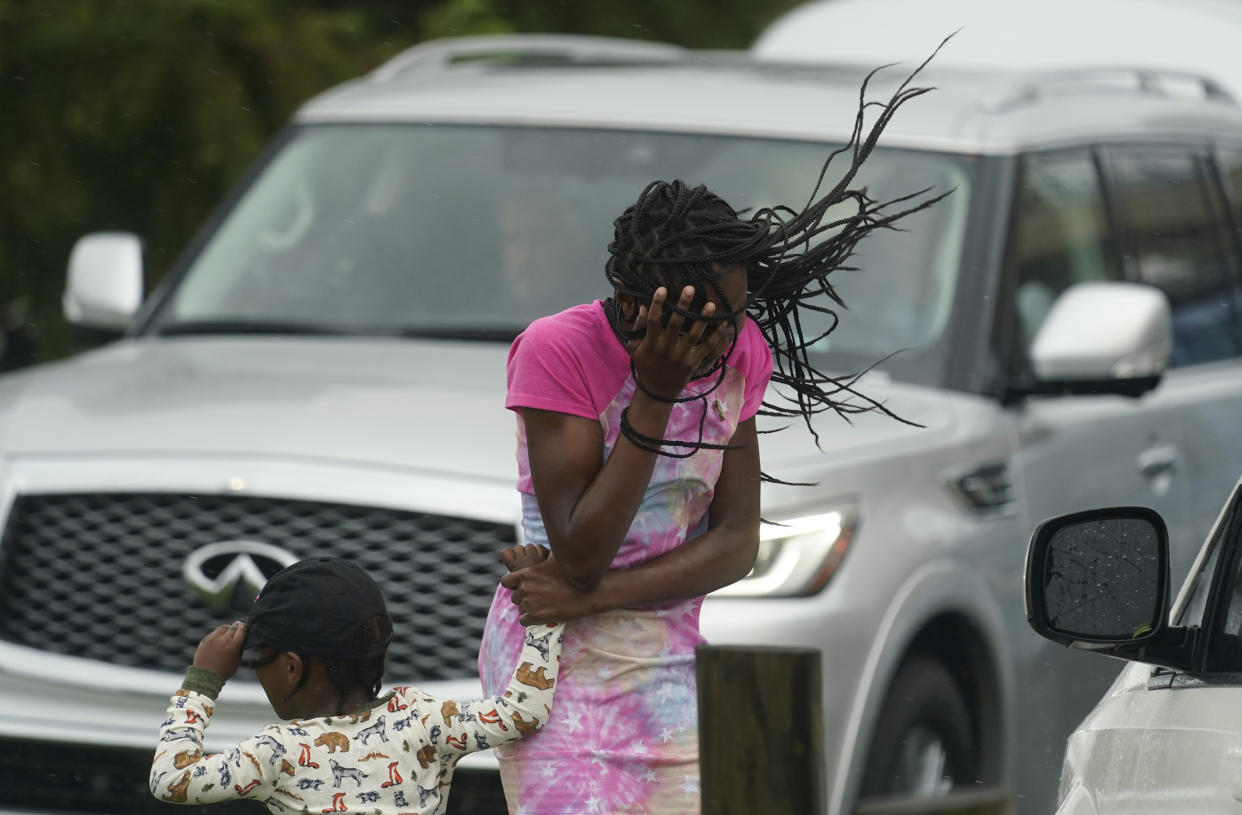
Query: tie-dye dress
column 623, row 733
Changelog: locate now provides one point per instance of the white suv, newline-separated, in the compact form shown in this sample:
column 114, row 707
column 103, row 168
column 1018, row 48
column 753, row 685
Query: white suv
column 1167, row 735
column 323, row 372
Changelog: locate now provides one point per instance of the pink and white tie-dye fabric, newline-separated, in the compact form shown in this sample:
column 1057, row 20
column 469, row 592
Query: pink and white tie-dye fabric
column 623, row 734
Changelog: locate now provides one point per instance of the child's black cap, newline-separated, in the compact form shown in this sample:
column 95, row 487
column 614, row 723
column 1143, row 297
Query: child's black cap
column 323, row 606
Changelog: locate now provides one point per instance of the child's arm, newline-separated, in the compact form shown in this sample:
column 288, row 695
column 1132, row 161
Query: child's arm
column 180, row 773
column 458, row 728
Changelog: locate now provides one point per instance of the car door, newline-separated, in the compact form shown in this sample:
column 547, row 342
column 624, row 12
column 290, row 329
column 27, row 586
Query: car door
column 1075, row 452
column 1174, row 233
column 1174, row 742
column 1083, row 451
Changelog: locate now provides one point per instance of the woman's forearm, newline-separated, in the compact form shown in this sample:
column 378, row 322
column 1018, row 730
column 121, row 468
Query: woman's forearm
column 722, row 555
column 713, row 560
column 585, row 537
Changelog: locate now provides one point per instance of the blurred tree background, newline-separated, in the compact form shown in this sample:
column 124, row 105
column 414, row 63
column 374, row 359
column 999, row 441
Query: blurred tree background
column 139, row 115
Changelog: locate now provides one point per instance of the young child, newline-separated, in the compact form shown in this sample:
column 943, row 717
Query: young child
column 320, row 631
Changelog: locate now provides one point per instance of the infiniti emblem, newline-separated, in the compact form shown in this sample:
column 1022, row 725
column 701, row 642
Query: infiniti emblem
column 229, row 574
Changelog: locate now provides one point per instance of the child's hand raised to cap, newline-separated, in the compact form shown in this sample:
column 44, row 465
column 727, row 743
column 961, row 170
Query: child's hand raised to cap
column 522, row 555
column 220, row 651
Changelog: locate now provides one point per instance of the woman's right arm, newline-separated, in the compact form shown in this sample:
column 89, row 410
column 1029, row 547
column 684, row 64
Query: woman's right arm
column 587, row 506
column 721, row 555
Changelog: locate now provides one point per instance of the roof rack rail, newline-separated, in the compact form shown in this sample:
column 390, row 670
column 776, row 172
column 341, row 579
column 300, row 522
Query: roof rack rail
column 1165, row 82
column 440, row 54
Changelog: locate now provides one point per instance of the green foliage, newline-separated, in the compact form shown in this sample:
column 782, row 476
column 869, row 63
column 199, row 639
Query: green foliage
column 139, row 115
column 692, row 23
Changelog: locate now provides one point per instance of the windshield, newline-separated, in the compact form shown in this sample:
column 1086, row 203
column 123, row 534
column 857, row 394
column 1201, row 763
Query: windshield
column 474, row 231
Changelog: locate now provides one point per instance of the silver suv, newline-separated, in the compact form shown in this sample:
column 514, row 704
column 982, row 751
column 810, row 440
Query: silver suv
column 324, row 372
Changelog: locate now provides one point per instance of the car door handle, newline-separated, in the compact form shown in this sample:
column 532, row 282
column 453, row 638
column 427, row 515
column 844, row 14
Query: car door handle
column 1157, row 460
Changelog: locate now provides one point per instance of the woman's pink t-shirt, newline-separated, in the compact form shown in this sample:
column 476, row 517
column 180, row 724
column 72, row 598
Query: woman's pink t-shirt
column 573, row 363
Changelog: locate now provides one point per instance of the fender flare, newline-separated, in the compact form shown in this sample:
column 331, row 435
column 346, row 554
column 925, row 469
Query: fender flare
column 938, row 587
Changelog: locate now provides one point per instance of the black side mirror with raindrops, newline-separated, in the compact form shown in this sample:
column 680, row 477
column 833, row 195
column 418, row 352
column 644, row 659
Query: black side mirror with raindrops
column 1099, row 580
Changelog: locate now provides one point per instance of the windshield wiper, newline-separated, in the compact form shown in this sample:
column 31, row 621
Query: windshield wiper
column 189, row 327
column 277, row 327
column 460, row 333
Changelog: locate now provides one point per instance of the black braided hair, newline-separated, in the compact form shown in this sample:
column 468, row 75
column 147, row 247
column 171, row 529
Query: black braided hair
column 677, row 235
column 348, row 675
column 365, row 673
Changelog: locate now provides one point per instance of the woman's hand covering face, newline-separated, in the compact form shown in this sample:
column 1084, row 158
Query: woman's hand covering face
column 675, row 348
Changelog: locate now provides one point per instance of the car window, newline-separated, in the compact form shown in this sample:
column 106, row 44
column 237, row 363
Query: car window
column 1224, row 651
column 1061, row 233
column 1190, row 612
column 1231, row 170
column 1230, row 162
column 1173, row 236
column 474, row 231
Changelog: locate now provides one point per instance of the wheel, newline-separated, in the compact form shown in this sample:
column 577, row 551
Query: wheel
column 924, row 744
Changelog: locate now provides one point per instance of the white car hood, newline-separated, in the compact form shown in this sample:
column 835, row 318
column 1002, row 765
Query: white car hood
column 431, row 405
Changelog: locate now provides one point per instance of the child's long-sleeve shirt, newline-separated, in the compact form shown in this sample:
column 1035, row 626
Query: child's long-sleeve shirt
column 395, row 757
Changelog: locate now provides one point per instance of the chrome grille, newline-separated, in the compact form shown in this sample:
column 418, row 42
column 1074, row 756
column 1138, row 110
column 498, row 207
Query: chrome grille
column 100, row 575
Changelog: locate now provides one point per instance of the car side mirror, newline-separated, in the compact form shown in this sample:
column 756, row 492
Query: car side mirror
column 1099, row 580
column 104, row 284
column 1104, row 337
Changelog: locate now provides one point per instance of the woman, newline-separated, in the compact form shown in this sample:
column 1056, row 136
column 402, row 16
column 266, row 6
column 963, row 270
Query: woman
column 639, row 467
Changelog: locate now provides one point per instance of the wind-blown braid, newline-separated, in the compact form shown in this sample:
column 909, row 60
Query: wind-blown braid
column 677, row 235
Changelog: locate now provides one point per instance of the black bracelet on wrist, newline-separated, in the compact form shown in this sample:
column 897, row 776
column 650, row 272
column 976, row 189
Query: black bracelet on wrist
column 655, row 445
column 676, row 400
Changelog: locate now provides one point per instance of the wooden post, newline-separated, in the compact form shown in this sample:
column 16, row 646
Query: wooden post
column 761, row 740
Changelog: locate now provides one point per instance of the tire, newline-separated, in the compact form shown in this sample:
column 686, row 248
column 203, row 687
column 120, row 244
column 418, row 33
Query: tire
column 924, row 743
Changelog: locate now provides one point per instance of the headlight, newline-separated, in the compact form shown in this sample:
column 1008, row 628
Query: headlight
column 797, row 557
